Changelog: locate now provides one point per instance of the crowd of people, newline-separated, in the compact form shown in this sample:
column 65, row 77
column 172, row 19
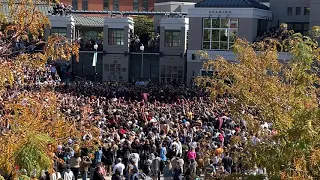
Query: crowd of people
column 147, row 131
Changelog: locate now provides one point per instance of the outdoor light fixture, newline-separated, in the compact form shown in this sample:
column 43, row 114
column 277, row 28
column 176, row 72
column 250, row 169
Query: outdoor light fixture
column 95, row 47
column 142, row 47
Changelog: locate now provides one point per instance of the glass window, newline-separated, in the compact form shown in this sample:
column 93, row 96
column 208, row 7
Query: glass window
column 84, row 4
column 172, row 38
column 289, row 11
column 106, row 5
column 115, row 5
column 75, row 4
column 306, row 11
column 116, row 37
column 145, row 5
column 219, row 34
column 298, row 11
column 59, row 31
column 135, row 5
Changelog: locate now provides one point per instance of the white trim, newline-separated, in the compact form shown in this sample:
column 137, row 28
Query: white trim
column 61, row 21
column 174, row 23
column 118, row 22
column 230, row 12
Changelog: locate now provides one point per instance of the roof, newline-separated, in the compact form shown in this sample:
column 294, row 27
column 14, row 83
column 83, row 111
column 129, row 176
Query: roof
column 231, row 4
column 89, row 21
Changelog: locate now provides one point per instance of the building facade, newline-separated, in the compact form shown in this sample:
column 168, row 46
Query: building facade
column 111, row 5
column 211, row 25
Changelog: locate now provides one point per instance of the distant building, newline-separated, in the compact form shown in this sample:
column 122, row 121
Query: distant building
column 111, row 5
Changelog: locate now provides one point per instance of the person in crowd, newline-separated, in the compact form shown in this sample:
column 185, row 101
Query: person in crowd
column 75, row 162
column 210, row 170
column 84, row 167
column 68, row 174
column 100, row 173
column 167, row 171
column 119, row 167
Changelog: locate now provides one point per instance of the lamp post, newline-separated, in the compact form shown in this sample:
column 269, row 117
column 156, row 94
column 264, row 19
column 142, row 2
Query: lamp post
column 95, row 59
column 142, row 49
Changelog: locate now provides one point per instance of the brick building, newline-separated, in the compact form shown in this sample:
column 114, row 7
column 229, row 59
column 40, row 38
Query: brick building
column 111, row 5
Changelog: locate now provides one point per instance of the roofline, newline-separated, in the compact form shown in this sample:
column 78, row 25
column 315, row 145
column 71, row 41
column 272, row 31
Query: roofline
column 128, row 12
column 174, row 3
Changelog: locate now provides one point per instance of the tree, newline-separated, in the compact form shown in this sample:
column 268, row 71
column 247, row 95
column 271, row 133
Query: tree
column 143, row 25
column 35, row 124
column 283, row 94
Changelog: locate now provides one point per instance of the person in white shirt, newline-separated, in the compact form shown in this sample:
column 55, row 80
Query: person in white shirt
column 55, row 175
column 119, row 166
column 68, row 174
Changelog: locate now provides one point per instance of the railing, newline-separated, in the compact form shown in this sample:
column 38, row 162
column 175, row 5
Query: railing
column 147, row 48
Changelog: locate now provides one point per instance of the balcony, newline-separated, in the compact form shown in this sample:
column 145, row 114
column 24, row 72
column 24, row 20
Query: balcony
column 147, row 48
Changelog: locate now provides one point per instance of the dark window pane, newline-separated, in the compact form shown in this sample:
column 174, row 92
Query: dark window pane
column 206, row 45
column 145, row 5
column 289, row 11
column 215, row 23
column 75, row 4
column 115, row 37
column 215, row 35
column 135, row 5
column 84, row 4
column 115, row 5
column 224, row 23
column 106, row 5
column 223, row 45
column 215, row 45
column 298, row 10
column 206, row 35
column 306, row 11
column 224, row 35
column 207, row 23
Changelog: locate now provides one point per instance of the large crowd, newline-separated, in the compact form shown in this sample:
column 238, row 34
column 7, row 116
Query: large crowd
column 147, row 131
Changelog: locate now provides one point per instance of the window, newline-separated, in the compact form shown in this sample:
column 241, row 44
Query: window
column 302, row 28
column 116, row 37
column 106, row 5
column 298, row 11
column 59, row 31
column 115, row 5
column 289, row 11
column 75, row 4
column 144, row 5
column 219, row 34
column 172, row 38
column 84, row 4
column 306, row 11
column 135, row 5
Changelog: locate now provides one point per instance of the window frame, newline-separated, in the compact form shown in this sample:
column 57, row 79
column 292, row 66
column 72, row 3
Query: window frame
column 106, row 5
column 145, row 6
column 135, row 5
column 58, row 29
column 304, row 27
column 173, row 42
column 298, row 11
column 306, row 11
column 85, row 5
column 75, row 4
column 115, row 4
column 289, row 11
column 115, row 39
column 219, row 25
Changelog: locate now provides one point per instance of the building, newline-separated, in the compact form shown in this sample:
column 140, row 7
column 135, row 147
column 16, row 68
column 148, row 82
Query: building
column 300, row 15
column 209, row 25
column 111, row 5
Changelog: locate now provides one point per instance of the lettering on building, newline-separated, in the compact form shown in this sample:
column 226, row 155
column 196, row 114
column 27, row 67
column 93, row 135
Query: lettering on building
column 218, row 12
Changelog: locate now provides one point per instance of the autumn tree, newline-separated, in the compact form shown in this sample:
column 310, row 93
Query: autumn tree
column 32, row 123
column 281, row 93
